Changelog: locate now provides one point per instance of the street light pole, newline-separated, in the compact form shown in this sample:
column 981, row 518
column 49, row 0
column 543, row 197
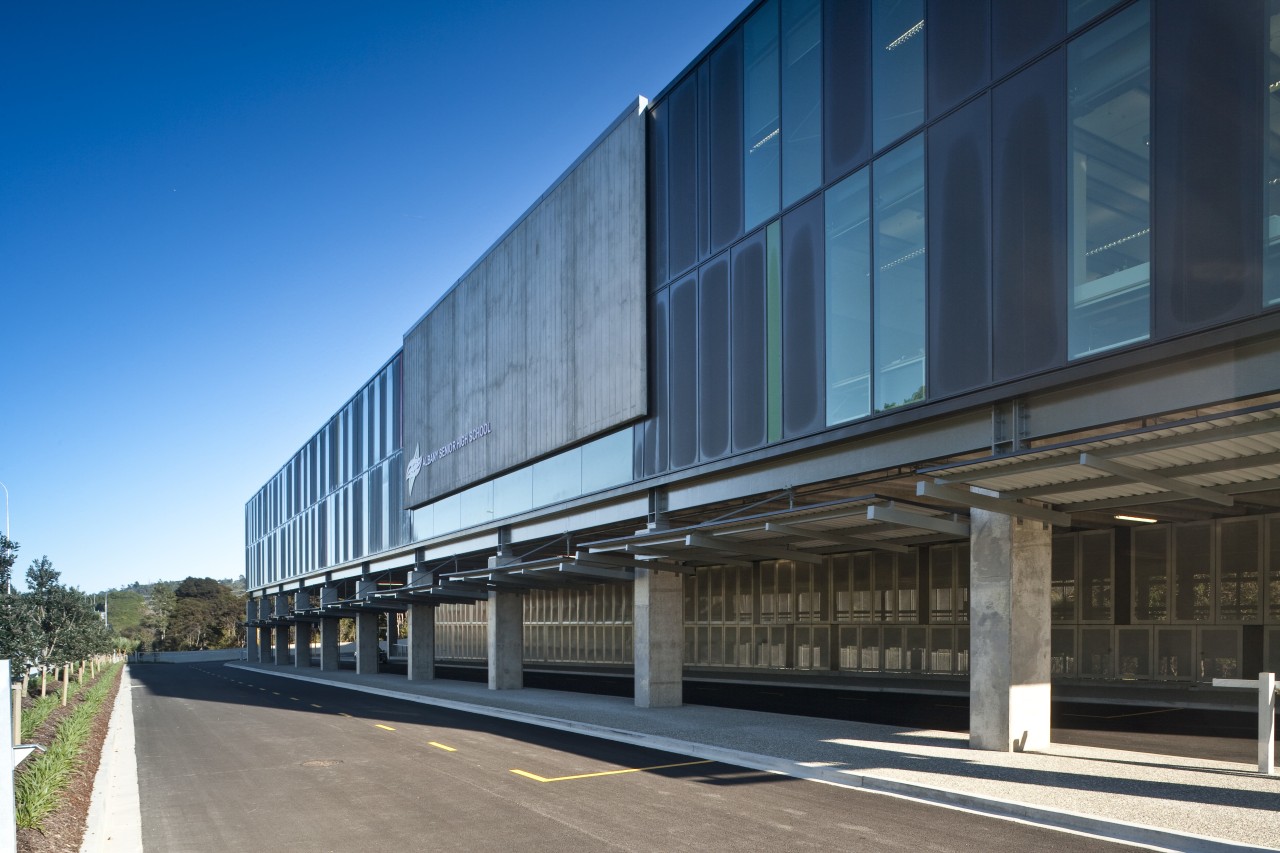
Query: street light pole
column 9, row 588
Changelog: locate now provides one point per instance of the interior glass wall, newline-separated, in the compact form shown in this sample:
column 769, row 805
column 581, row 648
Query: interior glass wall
column 801, row 99
column 762, row 144
column 898, row 296
column 1109, row 192
column 848, row 320
column 897, row 69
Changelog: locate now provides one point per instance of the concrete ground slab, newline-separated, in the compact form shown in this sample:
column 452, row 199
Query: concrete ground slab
column 1165, row 802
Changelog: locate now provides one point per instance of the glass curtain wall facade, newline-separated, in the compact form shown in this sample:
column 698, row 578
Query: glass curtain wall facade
column 861, row 207
column 339, row 498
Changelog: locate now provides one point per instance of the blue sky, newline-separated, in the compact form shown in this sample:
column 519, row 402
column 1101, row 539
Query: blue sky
column 217, row 219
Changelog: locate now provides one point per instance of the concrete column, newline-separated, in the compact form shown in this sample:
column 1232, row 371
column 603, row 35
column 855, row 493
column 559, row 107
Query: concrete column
column 393, row 630
column 264, row 633
column 506, row 640
column 422, row 636
column 366, row 634
column 1009, row 619
column 302, row 632
column 328, row 632
column 250, row 634
column 282, row 630
column 659, row 639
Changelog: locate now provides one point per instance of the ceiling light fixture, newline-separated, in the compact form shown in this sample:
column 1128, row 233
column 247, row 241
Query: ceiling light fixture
column 1138, row 518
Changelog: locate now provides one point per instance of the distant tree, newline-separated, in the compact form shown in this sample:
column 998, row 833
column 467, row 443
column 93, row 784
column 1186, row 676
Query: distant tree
column 19, row 636
column 207, row 614
column 159, row 611
column 68, row 627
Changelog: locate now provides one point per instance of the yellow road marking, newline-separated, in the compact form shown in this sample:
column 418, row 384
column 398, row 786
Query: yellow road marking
column 273, row 693
column 314, row 705
column 344, row 714
column 381, row 726
column 294, row 699
column 442, row 746
column 537, row 778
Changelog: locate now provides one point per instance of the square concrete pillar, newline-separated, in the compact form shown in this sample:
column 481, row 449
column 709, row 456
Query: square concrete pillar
column 329, row 632
column 264, row 633
column 250, row 634
column 302, row 632
column 282, row 630
column 393, row 630
column 422, row 642
column 506, row 640
column 366, row 633
column 1009, row 620
column 659, row 639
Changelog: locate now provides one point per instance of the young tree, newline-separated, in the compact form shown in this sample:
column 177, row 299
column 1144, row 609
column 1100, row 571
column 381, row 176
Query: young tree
column 19, row 636
column 68, row 627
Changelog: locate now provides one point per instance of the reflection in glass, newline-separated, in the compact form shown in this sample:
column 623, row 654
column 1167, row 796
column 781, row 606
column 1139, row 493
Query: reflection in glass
column 1082, row 11
column 513, row 493
column 849, row 299
column 1109, row 110
column 801, row 98
column 607, row 461
column 897, row 69
column 557, row 478
column 1271, row 155
column 900, row 263
column 761, row 129
column 476, row 505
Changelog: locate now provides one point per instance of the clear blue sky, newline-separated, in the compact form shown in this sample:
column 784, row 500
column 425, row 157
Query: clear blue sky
column 217, row 219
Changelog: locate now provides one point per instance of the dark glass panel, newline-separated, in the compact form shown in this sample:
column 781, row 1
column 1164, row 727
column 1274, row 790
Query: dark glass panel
column 684, row 372
column 1029, row 226
column 747, row 304
column 898, row 288
column 848, row 308
column 846, row 99
column 703, row 145
column 1271, row 158
column 959, row 51
column 713, row 359
column 773, row 326
column 761, row 143
column 897, row 68
column 725, row 141
column 801, row 98
column 658, row 195
column 803, row 294
column 959, row 250
column 1021, row 29
column 657, row 425
column 1208, row 124
column 682, row 171
column 1083, row 11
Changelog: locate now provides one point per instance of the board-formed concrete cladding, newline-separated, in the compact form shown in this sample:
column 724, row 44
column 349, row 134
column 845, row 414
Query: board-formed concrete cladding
column 542, row 343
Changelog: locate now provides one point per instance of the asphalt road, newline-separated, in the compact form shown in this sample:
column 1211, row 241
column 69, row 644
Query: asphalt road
column 236, row 760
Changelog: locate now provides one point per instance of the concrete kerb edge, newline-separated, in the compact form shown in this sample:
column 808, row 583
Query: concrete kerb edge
column 1114, row 830
column 114, row 820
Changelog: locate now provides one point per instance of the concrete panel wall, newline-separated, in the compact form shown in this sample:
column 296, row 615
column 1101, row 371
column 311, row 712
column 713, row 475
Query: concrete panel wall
column 544, row 339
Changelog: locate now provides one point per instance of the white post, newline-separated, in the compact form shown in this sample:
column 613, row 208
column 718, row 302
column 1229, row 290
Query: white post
column 1267, row 722
column 8, row 817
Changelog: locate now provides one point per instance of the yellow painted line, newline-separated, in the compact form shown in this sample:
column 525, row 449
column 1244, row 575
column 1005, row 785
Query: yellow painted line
column 381, row 726
column 442, row 746
column 537, row 778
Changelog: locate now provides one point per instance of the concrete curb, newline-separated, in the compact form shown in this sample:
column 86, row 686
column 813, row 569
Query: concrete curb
column 114, row 823
column 1112, row 830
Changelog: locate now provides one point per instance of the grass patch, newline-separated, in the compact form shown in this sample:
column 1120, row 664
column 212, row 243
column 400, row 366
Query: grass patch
column 33, row 718
column 38, row 789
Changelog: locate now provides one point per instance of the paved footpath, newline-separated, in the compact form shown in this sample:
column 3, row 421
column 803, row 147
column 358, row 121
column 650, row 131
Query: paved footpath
column 1164, row 802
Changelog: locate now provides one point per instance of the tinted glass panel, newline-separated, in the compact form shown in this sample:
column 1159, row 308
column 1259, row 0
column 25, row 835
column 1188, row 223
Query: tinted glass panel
column 606, row 461
column 657, row 425
column 761, row 131
column 684, row 372
column 1207, row 125
column 846, row 98
column 900, row 263
column 1083, row 11
column 1029, row 227
column 747, row 304
column 801, row 98
column 959, row 52
column 1020, row 30
column 848, row 306
column 897, row 68
column 1109, row 226
column 802, row 322
column 658, row 195
column 1271, row 156
column 724, row 131
column 713, row 359
column 682, row 170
